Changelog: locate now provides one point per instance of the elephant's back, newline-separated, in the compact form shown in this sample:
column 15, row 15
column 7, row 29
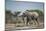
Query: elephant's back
column 32, row 14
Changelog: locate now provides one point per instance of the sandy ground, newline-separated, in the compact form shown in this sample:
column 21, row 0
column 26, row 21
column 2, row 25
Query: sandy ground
column 11, row 27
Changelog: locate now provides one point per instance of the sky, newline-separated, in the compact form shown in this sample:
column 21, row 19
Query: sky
column 23, row 5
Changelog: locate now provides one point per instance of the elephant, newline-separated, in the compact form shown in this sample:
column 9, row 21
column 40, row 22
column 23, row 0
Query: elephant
column 31, row 16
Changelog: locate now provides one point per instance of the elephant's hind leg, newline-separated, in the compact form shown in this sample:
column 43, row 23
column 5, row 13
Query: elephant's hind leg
column 37, row 22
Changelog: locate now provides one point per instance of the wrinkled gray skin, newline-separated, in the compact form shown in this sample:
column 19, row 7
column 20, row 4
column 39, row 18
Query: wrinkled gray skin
column 30, row 17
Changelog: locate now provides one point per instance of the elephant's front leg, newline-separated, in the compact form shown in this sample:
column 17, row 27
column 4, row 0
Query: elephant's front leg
column 23, row 20
column 27, row 21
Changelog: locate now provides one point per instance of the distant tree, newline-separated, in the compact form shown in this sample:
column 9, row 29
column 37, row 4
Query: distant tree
column 16, row 13
column 8, row 15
